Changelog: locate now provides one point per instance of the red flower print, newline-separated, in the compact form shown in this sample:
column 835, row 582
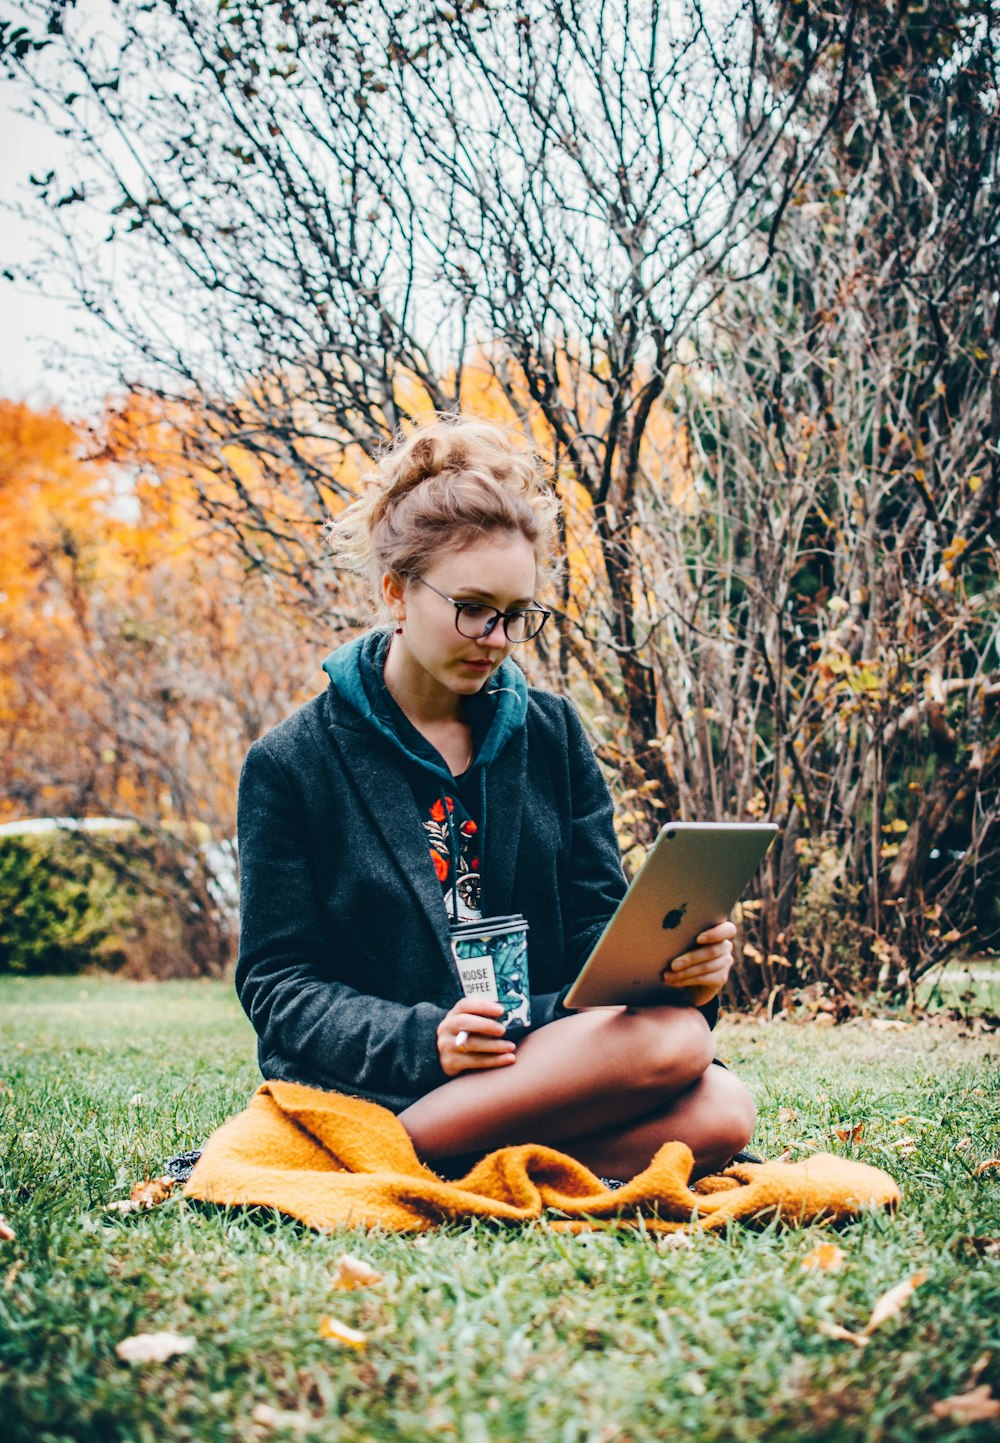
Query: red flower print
column 437, row 811
column 474, row 864
column 440, row 865
column 449, row 802
column 468, row 829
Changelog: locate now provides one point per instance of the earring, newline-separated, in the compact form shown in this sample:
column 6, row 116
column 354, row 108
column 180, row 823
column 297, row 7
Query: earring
column 399, row 631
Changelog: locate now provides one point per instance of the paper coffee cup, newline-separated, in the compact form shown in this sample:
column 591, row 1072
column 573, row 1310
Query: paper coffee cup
column 492, row 961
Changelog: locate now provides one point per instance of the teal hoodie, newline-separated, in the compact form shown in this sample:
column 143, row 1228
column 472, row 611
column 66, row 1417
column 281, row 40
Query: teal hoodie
column 495, row 714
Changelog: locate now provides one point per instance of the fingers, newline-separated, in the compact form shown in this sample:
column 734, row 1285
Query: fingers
column 478, row 1062
column 475, row 1057
column 475, row 1007
column 471, row 1022
column 722, row 932
column 471, row 1038
column 701, row 965
column 474, row 1043
column 708, row 963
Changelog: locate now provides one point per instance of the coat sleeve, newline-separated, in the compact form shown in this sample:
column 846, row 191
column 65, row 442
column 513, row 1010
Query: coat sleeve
column 597, row 880
column 362, row 1042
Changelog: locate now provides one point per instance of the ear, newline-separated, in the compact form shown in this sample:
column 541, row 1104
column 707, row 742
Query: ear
column 394, row 594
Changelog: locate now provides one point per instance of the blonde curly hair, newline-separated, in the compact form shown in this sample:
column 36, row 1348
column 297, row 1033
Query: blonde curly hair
column 444, row 486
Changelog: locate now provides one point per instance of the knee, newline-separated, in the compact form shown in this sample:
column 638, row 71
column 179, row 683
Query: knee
column 741, row 1115
column 728, row 1118
column 673, row 1048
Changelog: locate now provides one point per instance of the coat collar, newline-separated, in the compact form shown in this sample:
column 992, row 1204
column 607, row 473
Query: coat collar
column 376, row 772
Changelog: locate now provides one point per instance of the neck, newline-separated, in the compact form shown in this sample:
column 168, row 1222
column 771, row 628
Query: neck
column 415, row 693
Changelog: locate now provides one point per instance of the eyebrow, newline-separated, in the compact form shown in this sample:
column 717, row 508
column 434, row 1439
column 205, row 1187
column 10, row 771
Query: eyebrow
column 470, row 594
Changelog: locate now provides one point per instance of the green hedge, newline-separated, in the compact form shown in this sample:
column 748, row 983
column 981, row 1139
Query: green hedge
column 70, row 901
column 59, row 907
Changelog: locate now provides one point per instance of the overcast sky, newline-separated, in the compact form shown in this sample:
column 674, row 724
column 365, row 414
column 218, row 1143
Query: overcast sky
column 36, row 330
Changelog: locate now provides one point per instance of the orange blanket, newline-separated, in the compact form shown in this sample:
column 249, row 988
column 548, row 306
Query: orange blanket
column 334, row 1161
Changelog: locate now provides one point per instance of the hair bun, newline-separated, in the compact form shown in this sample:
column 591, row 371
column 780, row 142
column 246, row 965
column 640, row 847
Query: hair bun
column 406, row 466
column 483, row 477
column 433, row 453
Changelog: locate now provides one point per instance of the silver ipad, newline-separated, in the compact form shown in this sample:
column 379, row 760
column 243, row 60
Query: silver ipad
column 691, row 880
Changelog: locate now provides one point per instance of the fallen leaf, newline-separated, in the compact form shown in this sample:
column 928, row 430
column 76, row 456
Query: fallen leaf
column 122, row 1205
column 886, row 1307
column 902, row 1121
column 153, row 1347
column 788, row 1114
column 676, row 1240
column 354, row 1273
column 890, row 1303
column 985, row 1166
column 906, row 1146
column 135, row 1100
column 7, row 1233
column 152, row 1192
column 965, row 1142
column 976, row 1406
column 823, row 1019
column 850, row 1134
column 826, row 1256
column 888, row 1024
column 337, row 1332
column 984, row 1247
column 269, row 1417
column 979, row 1366
column 843, row 1335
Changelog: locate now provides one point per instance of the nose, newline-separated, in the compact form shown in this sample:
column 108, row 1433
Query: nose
column 495, row 637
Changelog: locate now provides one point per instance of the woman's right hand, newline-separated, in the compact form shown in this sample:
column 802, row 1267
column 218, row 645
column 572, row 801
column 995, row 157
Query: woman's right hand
column 470, row 1039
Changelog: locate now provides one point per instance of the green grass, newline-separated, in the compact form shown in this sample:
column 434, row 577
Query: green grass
column 477, row 1333
column 966, row 983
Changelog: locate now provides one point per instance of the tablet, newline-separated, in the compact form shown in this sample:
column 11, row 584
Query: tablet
column 690, row 881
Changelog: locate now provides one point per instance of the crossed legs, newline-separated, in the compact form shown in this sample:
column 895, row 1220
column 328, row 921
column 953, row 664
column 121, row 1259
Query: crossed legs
column 609, row 1086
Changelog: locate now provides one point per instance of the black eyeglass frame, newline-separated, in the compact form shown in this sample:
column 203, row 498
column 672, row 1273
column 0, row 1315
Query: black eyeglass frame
column 498, row 616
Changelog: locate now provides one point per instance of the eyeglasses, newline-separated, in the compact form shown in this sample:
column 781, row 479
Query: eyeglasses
column 476, row 621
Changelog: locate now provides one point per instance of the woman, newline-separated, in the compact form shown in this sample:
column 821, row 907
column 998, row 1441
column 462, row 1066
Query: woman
column 429, row 784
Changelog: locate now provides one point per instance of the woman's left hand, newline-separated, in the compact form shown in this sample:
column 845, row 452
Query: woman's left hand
column 708, row 964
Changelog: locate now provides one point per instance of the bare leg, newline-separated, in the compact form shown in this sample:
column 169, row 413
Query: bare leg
column 715, row 1118
column 607, row 1074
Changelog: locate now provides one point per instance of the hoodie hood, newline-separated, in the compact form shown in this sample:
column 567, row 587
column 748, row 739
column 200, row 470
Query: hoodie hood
column 495, row 713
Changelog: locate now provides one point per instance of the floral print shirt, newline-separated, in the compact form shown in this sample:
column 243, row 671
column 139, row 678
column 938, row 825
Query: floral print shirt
column 454, row 843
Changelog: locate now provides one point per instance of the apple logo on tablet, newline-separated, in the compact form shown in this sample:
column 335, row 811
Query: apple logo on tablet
column 674, row 917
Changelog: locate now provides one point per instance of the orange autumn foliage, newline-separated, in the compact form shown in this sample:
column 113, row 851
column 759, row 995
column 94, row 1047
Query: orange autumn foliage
column 130, row 644
column 149, row 587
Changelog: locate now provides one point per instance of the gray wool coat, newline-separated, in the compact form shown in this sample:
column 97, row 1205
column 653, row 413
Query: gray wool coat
column 345, row 967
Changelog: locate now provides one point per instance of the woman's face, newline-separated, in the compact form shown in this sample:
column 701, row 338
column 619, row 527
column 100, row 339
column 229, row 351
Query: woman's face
column 498, row 571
